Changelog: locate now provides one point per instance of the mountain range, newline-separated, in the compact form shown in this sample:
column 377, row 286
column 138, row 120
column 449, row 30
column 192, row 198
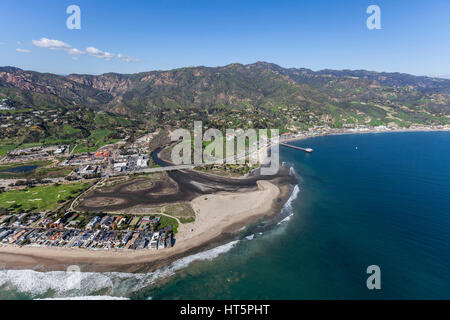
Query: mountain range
column 356, row 95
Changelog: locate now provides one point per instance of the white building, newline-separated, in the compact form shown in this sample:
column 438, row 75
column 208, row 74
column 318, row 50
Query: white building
column 88, row 170
column 142, row 162
column 120, row 166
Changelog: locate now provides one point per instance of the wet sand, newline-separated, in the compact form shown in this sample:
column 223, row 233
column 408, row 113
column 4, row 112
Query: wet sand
column 179, row 186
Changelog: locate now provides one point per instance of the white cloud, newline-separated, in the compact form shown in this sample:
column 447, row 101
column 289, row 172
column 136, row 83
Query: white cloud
column 51, row 44
column 2, row 43
column 126, row 58
column 76, row 52
column 109, row 56
column 22, row 50
column 100, row 54
column 75, row 58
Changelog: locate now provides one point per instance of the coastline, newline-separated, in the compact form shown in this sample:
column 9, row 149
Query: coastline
column 337, row 132
column 218, row 217
column 231, row 211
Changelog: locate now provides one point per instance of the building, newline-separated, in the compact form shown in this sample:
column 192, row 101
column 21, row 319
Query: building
column 154, row 241
column 88, row 170
column 286, row 136
column 94, row 221
column 120, row 166
column 60, row 150
column 132, row 240
column 106, row 222
column 104, row 154
column 142, row 162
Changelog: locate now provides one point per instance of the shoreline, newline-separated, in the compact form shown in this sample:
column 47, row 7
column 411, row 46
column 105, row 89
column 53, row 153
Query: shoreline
column 218, row 217
column 205, row 233
column 337, row 132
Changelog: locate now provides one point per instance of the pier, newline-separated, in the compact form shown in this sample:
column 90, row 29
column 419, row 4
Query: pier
column 308, row 150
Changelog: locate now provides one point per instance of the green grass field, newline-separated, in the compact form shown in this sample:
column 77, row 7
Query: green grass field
column 5, row 148
column 168, row 222
column 70, row 130
column 97, row 139
column 40, row 198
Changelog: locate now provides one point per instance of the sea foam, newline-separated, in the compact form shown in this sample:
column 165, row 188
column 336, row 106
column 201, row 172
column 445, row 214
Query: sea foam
column 111, row 285
column 88, row 298
column 288, row 208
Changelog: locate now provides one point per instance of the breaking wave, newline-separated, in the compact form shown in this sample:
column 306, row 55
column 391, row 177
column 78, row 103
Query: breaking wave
column 292, row 171
column 250, row 237
column 288, row 208
column 94, row 285
column 88, row 298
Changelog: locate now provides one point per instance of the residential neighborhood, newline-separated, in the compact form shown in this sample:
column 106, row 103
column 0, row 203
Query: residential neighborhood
column 75, row 231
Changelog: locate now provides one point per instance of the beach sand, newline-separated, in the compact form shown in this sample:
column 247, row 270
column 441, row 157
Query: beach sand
column 216, row 215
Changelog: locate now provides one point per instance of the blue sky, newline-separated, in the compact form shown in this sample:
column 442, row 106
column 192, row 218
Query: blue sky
column 143, row 35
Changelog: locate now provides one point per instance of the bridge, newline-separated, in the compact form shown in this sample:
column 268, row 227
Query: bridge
column 163, row 169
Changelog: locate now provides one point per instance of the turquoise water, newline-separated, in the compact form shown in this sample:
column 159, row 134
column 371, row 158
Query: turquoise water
column 369, row 199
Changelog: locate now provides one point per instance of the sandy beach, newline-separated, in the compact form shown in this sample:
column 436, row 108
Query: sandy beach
column 216, row 215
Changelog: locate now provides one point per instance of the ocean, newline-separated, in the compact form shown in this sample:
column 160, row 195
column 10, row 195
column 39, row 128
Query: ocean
column 363, row 199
